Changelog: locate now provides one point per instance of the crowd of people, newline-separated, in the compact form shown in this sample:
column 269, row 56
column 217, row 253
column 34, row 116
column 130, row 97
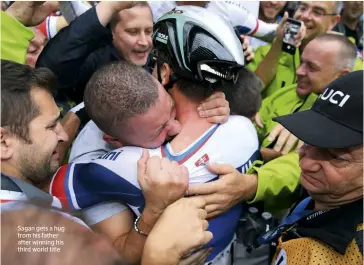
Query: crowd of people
column 181, row 132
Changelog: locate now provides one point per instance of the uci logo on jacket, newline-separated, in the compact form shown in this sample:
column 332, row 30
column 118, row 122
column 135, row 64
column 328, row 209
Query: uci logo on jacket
column 335, row 97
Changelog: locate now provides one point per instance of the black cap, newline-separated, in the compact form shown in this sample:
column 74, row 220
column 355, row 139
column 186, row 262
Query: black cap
column 336, row 118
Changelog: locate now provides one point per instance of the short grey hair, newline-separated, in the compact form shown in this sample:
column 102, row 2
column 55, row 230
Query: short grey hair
column 118, row 92
column 346, row 57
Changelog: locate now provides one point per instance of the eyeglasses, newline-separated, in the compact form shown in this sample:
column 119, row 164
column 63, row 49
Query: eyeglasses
column 318, row 13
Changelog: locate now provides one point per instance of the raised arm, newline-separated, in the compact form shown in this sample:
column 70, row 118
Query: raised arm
column 267, row 69
column 15, row 36
column 66, row 53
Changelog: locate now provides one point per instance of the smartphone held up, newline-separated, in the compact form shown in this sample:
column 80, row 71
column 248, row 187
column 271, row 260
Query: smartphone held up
column 291, row 30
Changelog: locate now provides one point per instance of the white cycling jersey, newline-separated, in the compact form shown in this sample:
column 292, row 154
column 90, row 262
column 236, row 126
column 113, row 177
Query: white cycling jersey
column 242, row 15
column 113, row 176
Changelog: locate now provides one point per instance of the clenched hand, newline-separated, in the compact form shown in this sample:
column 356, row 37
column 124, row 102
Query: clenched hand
column 31, row 13
column 162, row 181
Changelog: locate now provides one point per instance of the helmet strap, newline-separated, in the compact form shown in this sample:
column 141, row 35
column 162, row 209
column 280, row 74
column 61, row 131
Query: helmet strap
column 159, row 65
column 172, row 79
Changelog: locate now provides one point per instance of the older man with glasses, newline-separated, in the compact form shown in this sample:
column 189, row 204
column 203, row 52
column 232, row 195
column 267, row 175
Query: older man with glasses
column 276, row 68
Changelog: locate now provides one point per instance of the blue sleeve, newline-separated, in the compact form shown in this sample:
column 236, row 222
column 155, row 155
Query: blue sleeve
column 81, row 185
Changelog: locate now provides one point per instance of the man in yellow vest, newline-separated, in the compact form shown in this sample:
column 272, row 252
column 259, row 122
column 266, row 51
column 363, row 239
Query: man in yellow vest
column 276, row 68
column 324, row 59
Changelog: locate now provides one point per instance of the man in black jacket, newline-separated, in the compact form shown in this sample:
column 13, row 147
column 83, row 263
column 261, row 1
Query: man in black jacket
column 351, row 25
column 109, row 32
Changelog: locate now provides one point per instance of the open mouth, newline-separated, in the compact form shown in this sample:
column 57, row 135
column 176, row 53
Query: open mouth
column 301, row 84
column 272, row 9
column 309, row 27
column 301, row 87
column 141, row 54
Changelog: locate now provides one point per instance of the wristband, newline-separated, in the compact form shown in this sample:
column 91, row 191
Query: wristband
column 82, row 115
column 140, row 232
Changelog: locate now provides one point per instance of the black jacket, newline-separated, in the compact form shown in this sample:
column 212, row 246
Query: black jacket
column 358, row 36
column 76, row 52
